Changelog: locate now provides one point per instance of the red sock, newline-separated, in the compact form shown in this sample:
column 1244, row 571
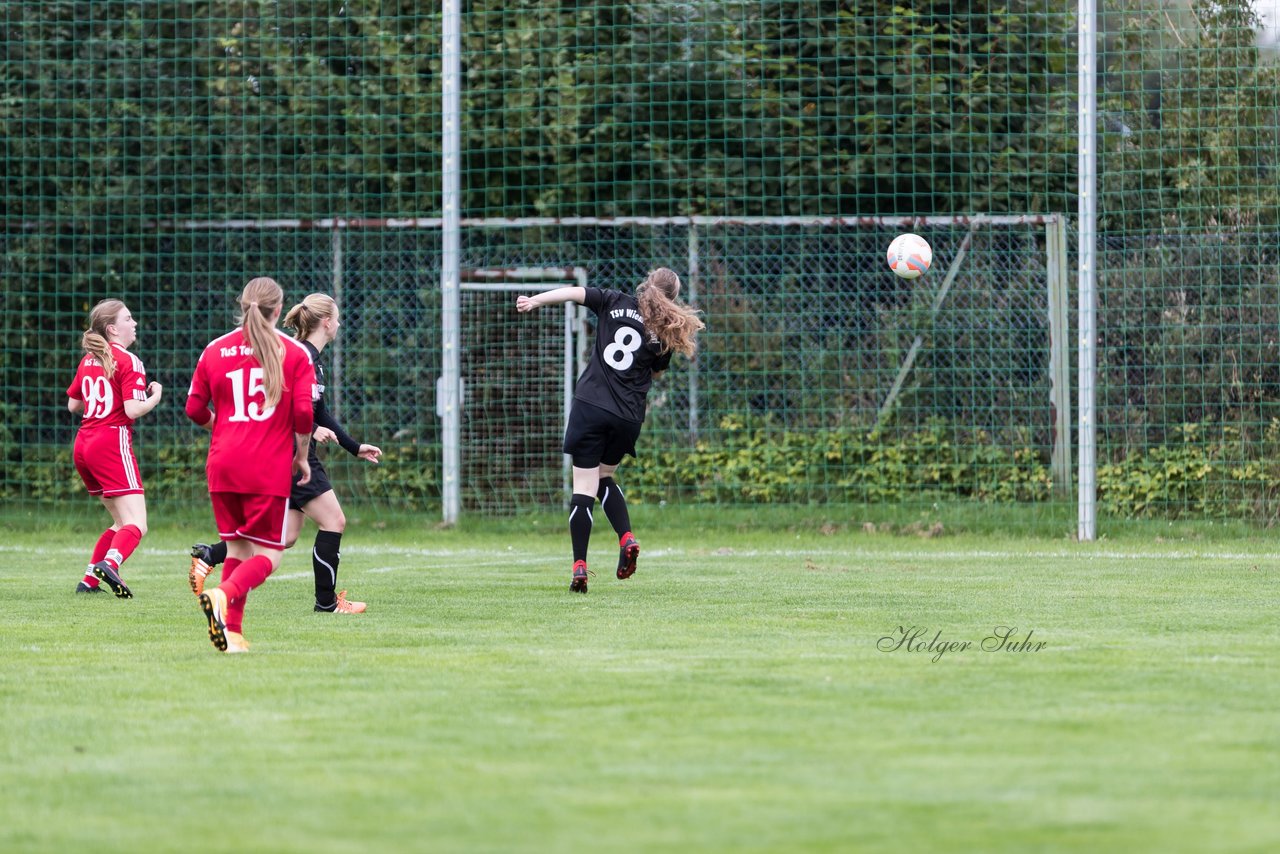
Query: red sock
column 234, row 618
column 99, row 552
column 122, row 545
column 246, row 577
column 101, row 547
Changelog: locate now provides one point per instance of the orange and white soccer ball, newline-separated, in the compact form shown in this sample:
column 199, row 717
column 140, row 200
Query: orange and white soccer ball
column 910, row 256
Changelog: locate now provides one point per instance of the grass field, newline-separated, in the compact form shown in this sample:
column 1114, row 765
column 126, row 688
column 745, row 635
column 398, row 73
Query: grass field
column 735, row 695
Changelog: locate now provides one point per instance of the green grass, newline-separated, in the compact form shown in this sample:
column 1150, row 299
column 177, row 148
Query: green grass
column 729, row 697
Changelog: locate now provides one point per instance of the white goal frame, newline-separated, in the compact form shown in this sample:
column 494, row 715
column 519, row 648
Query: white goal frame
column 517, row 280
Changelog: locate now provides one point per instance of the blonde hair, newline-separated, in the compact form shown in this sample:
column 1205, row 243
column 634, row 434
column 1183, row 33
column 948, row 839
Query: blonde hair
column 259, row 300
column 304, row 317
column 94, row 340
column 675, row 324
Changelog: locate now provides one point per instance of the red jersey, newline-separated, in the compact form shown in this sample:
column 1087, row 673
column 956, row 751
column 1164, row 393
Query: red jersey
column 104, row 398
column 252, row 447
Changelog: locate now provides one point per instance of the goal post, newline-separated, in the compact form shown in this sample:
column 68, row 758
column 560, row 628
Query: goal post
column 506, row 381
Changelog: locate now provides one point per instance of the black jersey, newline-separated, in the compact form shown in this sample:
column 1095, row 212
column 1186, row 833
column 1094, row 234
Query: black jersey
column 322, row 416
column 623, row 359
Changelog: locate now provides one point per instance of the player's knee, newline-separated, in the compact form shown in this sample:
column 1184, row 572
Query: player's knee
column 339, row 523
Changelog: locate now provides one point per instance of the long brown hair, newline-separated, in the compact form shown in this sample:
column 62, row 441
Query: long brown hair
column 94, row 340
column 304, row 317
column 261, row 298
column 675, row 324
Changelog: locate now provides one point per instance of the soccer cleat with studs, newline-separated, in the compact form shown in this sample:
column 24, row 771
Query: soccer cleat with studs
column 346, row 606
column 214, row 604
column 628, row 551
column 201, row 555
column 104, row 572
column 580, row 576
column 85, row 587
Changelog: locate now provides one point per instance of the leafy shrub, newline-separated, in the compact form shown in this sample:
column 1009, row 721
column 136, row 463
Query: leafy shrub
column 753, row 461
column 1218, row 475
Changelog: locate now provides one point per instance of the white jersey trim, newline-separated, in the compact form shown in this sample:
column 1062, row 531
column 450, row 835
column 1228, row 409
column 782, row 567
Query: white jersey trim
column 136, row 362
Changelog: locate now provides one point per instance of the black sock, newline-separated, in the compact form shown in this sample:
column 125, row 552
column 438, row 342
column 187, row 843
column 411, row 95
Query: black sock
column 324, row 562
column 218, row 553
column 580, row 524
column 614, row 504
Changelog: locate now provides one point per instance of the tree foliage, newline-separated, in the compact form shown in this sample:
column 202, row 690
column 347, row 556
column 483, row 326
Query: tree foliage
column 122, row 113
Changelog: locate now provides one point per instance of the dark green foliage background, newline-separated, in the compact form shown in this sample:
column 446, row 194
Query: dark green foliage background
column 120, row 119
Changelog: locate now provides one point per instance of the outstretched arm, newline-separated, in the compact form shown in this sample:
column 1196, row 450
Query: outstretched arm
column 526, row 303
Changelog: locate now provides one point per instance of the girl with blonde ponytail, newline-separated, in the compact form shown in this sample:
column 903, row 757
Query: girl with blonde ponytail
column 260, row 384
column 315, row 323
column 94, row 340
column 109, row 392
column 635, row 339
column 260, row 305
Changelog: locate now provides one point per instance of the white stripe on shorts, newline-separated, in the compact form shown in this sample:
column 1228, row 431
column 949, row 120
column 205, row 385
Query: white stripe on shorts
column 126, row 460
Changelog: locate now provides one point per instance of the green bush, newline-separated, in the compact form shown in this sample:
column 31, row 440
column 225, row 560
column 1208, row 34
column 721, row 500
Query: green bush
column 754, row 461
column 1212, row 471
column 1218, row 475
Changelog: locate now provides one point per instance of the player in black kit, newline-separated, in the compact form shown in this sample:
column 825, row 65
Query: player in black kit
column 635, row 338
column 315, row 323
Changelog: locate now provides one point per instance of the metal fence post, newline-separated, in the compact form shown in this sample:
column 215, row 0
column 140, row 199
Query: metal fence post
column 448, row 397
column 1086, row 528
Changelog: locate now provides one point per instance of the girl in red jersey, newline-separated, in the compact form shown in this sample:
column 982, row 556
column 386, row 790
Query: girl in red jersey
column 109, row 392
column 260, row 384
column 315, row 321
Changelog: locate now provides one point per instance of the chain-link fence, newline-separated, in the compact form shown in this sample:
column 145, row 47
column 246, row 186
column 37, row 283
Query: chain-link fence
column 808, row 335
column 821, row 377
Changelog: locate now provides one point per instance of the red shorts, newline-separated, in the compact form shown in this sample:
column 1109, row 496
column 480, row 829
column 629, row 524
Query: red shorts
column 104, row 457
column 259, row 518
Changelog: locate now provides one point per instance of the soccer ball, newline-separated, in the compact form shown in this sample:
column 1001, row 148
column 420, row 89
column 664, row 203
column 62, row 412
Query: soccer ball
column 910, row 256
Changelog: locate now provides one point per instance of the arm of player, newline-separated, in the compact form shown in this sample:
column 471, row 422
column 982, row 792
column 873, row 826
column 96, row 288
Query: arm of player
column 302, row 387
column 135, row 409
column 197, row 406
column 75, row 407
column 526, row 303
column 325, row 420
column 198, row 411
column 301, row 442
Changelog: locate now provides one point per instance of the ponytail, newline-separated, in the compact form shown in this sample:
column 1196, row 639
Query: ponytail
column 261, row 298
column 98, row 347
column 304, row 317
column 94, row 340
column 675, row 324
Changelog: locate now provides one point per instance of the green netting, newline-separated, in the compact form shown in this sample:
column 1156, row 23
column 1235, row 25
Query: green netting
column 166, row 152
column 1189, row 214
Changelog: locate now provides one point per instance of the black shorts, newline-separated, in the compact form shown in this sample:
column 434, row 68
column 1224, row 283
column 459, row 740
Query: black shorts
column 314, row 488
column 596, row 436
